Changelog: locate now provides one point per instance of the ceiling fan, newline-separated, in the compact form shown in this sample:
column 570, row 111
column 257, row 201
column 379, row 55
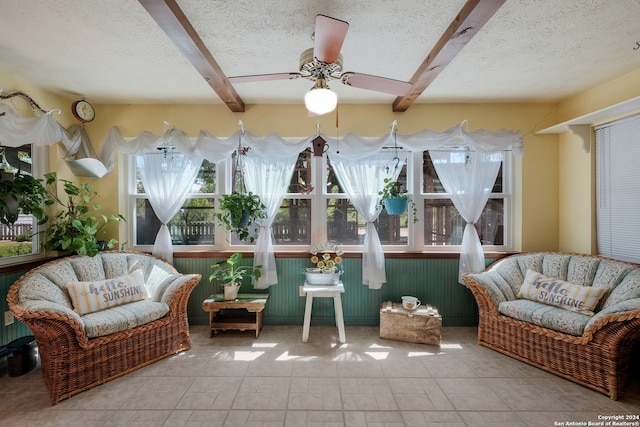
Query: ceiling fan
column 324, row 62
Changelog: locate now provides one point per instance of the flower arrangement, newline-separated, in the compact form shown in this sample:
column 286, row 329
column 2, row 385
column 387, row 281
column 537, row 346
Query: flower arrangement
column 326, row 258
column 321, row 257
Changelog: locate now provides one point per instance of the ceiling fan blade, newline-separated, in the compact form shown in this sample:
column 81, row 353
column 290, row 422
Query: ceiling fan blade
column 263, row 77
column 328, row 39
column 379, row 84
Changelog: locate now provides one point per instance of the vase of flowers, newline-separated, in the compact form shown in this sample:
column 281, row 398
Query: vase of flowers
column 326, row 270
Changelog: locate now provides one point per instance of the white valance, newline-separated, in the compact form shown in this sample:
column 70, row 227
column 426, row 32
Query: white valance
column 216, row 149
column 16, row 130
column 353, row 146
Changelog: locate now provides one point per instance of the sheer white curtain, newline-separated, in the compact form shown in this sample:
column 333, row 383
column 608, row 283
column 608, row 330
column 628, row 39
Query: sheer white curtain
column 167, row 176
column 468, row 176
column 362, row 179
column 268, row 167
column 350, row 147
column 167, row 180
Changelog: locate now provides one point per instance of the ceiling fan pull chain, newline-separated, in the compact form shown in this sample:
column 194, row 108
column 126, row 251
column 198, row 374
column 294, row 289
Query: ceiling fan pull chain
column 337, row 139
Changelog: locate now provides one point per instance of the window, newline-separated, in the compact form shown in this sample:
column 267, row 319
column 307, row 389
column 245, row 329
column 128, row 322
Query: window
column 443, row 224
column 617, row 196
column 193, row 225
column 20, row 240
column 316, row 209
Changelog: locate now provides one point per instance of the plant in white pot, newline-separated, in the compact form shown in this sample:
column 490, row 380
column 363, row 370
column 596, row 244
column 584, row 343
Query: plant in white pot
column 231, row 274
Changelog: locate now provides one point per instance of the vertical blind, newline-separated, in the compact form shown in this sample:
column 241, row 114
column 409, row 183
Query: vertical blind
column 618, row 189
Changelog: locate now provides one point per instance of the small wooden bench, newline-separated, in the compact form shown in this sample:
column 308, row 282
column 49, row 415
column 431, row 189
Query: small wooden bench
column 219, row 321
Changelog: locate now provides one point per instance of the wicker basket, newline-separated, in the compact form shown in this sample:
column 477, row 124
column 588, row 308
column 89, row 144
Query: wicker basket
column 322, row 279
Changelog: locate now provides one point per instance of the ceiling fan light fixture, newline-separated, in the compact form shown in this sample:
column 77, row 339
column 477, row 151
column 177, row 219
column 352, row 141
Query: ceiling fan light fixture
column 320, row 99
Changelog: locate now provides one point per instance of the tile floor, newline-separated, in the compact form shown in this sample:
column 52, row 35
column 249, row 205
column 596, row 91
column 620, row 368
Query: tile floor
column 235, row 379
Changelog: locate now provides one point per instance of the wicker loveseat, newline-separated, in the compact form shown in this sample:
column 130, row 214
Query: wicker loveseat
column 592, row 350
column 81, row 351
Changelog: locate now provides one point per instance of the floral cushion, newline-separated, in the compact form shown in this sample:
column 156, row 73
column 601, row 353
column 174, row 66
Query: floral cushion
column 157, row 275
column 582, row 270
column 123, row 317
column 498, row 288
column 509, row 270
column 39, row 288
column 610, row 273
column 555, row 265
column 87, row 268
column 556, row 292
column 59, row 272
column 629, row 288
column 115, row 264
column 91, row 296
column 546, row 316
column 530, row 262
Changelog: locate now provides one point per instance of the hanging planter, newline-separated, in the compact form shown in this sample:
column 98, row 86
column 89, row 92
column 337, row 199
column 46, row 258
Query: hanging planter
column 396, row 200
column 242, row 221
column 395, row 205
column 21, row 193
column 239, row 211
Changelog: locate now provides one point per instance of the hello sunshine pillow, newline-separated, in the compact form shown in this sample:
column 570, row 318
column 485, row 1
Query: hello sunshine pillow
column 556, row 292
column 88, row 297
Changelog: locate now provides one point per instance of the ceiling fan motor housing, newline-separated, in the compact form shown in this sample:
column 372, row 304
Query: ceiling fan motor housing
column 312, row 68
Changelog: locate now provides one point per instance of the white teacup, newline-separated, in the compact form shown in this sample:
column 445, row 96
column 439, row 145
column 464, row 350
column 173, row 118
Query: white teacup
column 410, row 303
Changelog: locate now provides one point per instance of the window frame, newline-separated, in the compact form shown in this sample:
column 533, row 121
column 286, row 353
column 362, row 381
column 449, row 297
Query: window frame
column 319, row 198
column 506, row 195
column 38, row 166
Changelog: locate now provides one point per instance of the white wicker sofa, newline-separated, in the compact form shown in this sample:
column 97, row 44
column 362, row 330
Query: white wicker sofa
column 592, row 350
column 81, row 351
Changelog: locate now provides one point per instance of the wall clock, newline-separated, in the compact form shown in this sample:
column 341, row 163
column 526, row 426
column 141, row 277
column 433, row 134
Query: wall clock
column 83, row 111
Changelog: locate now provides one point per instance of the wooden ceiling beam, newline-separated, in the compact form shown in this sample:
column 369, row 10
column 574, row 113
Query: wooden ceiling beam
column 471, row 18
column 173, row 21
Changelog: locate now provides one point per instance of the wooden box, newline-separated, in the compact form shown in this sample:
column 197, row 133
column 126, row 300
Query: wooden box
column 422, row 325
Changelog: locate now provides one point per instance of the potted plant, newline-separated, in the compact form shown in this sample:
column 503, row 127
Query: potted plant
column 239, row 211
column 22, row 193
column 75, row 226
column 395, row 200
column 231, row 274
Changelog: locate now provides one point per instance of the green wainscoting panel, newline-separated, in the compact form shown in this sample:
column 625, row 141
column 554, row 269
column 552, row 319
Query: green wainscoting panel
column 433, row 281
column 17, row 329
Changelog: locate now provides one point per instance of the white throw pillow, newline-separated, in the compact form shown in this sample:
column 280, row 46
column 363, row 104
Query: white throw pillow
column 556, row 292
column 88, row 297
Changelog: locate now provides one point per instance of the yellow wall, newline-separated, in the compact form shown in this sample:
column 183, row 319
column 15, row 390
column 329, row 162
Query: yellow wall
column 576, row 175
column 539, row 206
column 601, row 96
column 536, row 189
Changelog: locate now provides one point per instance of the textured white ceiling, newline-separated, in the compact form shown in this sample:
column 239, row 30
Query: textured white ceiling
column 112, row 51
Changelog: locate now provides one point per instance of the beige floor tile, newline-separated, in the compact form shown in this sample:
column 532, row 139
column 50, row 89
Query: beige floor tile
column 236, row 379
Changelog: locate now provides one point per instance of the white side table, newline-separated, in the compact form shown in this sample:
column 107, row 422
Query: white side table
column 323, row 292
